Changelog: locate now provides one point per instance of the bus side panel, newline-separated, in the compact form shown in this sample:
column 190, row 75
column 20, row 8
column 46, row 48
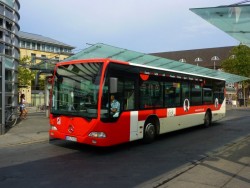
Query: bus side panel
column 117, row 132
column 219, row 114
column 180, row 122
column 136, row 129
column 144, row 114
column 193, row 117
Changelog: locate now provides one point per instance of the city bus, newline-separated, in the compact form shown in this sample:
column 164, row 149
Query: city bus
column 152, row 101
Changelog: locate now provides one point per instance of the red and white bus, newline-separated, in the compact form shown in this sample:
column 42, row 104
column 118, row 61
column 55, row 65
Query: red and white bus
column 152, row 101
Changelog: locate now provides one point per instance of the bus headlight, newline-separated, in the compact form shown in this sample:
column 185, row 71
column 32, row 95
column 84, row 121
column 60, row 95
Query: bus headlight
column 97, row 134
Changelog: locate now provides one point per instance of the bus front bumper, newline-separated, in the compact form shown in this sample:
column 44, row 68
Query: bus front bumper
column 94, row 138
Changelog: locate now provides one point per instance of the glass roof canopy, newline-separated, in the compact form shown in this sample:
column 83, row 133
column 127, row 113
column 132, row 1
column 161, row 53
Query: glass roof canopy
column 232, row 19
column 106, row 51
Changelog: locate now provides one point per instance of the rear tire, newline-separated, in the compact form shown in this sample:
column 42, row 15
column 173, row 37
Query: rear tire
column 149, row 133
column 207, row 119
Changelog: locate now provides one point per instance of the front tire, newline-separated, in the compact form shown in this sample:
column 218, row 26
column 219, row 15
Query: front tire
column 149, row 133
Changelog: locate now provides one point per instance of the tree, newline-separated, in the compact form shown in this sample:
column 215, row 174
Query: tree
column 25, row 75
column 239, row 63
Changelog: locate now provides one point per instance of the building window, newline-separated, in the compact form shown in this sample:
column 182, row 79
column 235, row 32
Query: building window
column 1, row 48
column 47, row 48
column 8, row 75
column 1, row 21
column 43, row 56
column 8, row 25
column 33, row 58
column 22, row 44
column 8, row 87
column 57, row 49
column 7, row 37
column 1, row 8
column 28, row 45
column 1, row 34
column 8, row 100
column 33, row 45
column 38, row 46
column 8, row 50
column 9, row 13
column 43, row 47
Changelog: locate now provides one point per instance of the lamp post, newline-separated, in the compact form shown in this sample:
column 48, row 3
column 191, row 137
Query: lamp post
column 215, row 58
column 182, row 60
column 197, row 60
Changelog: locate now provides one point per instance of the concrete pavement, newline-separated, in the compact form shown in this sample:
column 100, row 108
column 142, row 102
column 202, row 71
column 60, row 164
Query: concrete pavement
column 228, row 167
column 33, row 129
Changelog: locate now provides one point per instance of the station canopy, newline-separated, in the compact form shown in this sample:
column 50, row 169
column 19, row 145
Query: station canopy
column 100, row 50
column 232, row 19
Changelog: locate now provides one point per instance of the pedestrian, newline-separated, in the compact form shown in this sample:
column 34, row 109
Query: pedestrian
column 23, row 110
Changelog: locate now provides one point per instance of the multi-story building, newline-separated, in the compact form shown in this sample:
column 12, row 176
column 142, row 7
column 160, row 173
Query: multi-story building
column 40, row 48
column 9, row 56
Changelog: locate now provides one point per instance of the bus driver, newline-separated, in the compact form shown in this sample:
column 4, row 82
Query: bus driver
column 115, row 106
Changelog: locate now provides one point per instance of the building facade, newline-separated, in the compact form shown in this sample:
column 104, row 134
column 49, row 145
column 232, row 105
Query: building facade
column 208, row 57
column 9, row 56
column 40, row 49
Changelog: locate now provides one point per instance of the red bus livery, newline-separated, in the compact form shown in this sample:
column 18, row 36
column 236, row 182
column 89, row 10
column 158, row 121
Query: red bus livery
column 151, row 101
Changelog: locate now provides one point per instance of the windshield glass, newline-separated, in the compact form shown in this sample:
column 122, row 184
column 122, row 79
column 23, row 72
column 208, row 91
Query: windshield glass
column 75, row 91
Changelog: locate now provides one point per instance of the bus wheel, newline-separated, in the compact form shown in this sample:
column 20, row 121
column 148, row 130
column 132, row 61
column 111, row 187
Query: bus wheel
column 207, row 119
column 149, row 133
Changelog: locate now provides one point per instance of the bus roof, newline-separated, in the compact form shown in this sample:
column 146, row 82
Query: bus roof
column 100, row 50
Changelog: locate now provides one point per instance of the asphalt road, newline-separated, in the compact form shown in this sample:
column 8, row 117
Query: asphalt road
column 66, row 164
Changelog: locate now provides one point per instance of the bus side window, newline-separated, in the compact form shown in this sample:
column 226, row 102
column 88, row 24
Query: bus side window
column 127, row 93
column 185, row 91
column 129, row 100
column 172, row 94
column 207, row 96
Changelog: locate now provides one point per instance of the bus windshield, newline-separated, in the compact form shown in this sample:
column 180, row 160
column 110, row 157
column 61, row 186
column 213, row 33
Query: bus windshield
column 75, row 90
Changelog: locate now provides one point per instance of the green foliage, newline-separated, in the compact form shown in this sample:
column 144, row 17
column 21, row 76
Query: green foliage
column 240, row 64
column 25, row 75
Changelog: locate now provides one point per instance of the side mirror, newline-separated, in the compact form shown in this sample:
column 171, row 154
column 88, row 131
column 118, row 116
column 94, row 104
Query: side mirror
column 113, row 84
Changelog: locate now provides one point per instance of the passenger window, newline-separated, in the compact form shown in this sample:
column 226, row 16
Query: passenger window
column 151, row 94
column 129, row 95
column 196, row 94
column 172, row 94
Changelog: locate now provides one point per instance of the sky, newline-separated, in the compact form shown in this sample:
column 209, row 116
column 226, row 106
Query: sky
column 147, row 26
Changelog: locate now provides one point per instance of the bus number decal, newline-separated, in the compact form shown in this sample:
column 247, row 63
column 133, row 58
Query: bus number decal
column 171, row 112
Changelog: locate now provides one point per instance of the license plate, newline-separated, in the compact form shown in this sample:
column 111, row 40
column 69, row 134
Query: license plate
column 71, row 138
